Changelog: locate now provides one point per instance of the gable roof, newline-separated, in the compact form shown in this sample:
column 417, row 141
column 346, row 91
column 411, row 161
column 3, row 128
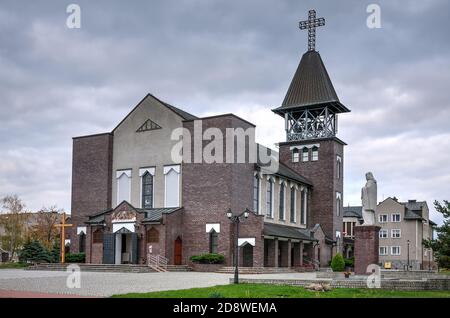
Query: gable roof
column 183, row 114
column 311, row 86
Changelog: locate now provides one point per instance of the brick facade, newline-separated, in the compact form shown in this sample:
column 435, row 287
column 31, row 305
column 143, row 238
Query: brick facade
column 321, row 172
column 91, row 180
column 366, row 247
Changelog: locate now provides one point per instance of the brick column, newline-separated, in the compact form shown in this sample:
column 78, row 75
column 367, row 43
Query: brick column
column 301, row 253
column 289, row 253
column 366, row 247
column 275, row 251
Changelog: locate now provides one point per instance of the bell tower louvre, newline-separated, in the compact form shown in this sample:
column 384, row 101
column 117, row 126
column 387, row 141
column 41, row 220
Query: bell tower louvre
column 310, row 110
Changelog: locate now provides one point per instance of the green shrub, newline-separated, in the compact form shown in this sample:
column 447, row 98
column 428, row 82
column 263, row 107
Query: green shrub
column 216, row 295
column 444, row 261
column 34, row 252
column 349, row 262
column 210, row 258
column 338, row 263
column 75, row 258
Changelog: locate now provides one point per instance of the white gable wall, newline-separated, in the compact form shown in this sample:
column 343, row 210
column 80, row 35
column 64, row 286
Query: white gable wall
column 134, row 150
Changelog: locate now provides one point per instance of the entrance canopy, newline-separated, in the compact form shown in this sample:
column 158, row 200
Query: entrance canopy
column 289, row 232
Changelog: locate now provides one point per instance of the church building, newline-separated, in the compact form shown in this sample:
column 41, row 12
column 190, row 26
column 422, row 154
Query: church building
column 134, row 201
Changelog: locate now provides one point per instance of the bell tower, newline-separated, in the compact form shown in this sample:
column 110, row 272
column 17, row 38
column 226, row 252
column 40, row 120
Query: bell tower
column 310, row 110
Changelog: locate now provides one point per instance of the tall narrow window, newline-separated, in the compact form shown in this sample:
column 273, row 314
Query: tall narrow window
column 338, row 167
column 213, row 242
column 303, row 207
column 293, row 212
column 256, row 193
column 172, row 193
column 123, row 185
column 305, row 154
column 282, row 199
column 147, row 191
column 152, row 235
column 269, row 198
column 338, row 203
column 295, row 155
column 315, row 153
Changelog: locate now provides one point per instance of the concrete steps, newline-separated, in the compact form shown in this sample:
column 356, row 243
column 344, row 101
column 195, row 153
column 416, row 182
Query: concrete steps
column 122, row 268
column 256, row 270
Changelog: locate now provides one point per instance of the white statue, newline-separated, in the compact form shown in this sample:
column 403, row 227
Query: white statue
column 369, row 199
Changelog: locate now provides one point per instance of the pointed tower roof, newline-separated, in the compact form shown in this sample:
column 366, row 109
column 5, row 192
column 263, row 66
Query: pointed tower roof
column 311, row 87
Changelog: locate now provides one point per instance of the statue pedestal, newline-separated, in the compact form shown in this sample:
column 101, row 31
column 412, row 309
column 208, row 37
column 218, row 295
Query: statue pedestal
column 366, row 247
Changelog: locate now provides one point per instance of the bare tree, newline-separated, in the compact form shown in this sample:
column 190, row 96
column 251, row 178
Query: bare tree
column 43, row 229
column 13, row 221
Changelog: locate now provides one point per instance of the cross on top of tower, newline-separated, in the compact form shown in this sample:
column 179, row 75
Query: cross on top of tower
column 311, row 25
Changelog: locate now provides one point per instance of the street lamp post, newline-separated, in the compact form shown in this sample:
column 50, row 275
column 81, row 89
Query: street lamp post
column 408, row 255
column 236, row 219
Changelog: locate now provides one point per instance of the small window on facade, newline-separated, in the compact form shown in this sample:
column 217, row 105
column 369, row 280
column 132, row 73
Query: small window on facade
column 396, row 233
column 396, row 217
column 395, row 250
column 383, row 250
column 383, row 218
column 147, row 191
column 305, row 154
column 293, row 211
column 315, row 153
column 97, row 236
column 282, row 199
column 256, row 193
column 383, row 234
column 295, row 155
column 213, row 242
column 152, row 235
column 269, row 198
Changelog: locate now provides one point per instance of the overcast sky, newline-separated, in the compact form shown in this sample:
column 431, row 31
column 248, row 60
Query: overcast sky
column 211, row 57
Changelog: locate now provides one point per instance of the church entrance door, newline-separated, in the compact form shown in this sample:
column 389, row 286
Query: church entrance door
column 178, row 251
column 247, row 255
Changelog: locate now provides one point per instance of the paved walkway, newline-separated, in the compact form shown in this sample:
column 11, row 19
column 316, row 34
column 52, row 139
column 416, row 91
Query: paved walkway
column 98, row 284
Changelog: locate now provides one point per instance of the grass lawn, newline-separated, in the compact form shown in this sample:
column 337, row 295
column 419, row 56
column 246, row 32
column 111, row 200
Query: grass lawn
column 12, row 265
column 283, row 291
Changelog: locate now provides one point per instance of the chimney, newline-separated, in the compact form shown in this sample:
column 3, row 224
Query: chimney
column 395, row 199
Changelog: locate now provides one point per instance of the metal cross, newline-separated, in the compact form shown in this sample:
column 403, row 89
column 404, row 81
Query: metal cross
column 311, row 25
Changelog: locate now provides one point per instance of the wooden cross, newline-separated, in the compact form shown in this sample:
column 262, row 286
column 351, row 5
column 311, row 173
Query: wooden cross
column 63, row 226
column 311, row 25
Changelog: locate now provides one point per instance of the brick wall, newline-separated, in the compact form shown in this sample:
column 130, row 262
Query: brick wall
column 209, row 190
column 91, row 180
column 321, row 172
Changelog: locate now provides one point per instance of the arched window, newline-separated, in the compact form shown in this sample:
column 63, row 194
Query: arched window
column 295, row 155
column 147, row 191
column 315, row 153
column 293, row 210
column 152, row 235
column 213, row 241
column 338, row 166
column 82, row 242
column 97, row 236
column 269, row 198
column 256, row 193
column 303, row 207
column 338, row 203
column 282, row 200
column 305, row 154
